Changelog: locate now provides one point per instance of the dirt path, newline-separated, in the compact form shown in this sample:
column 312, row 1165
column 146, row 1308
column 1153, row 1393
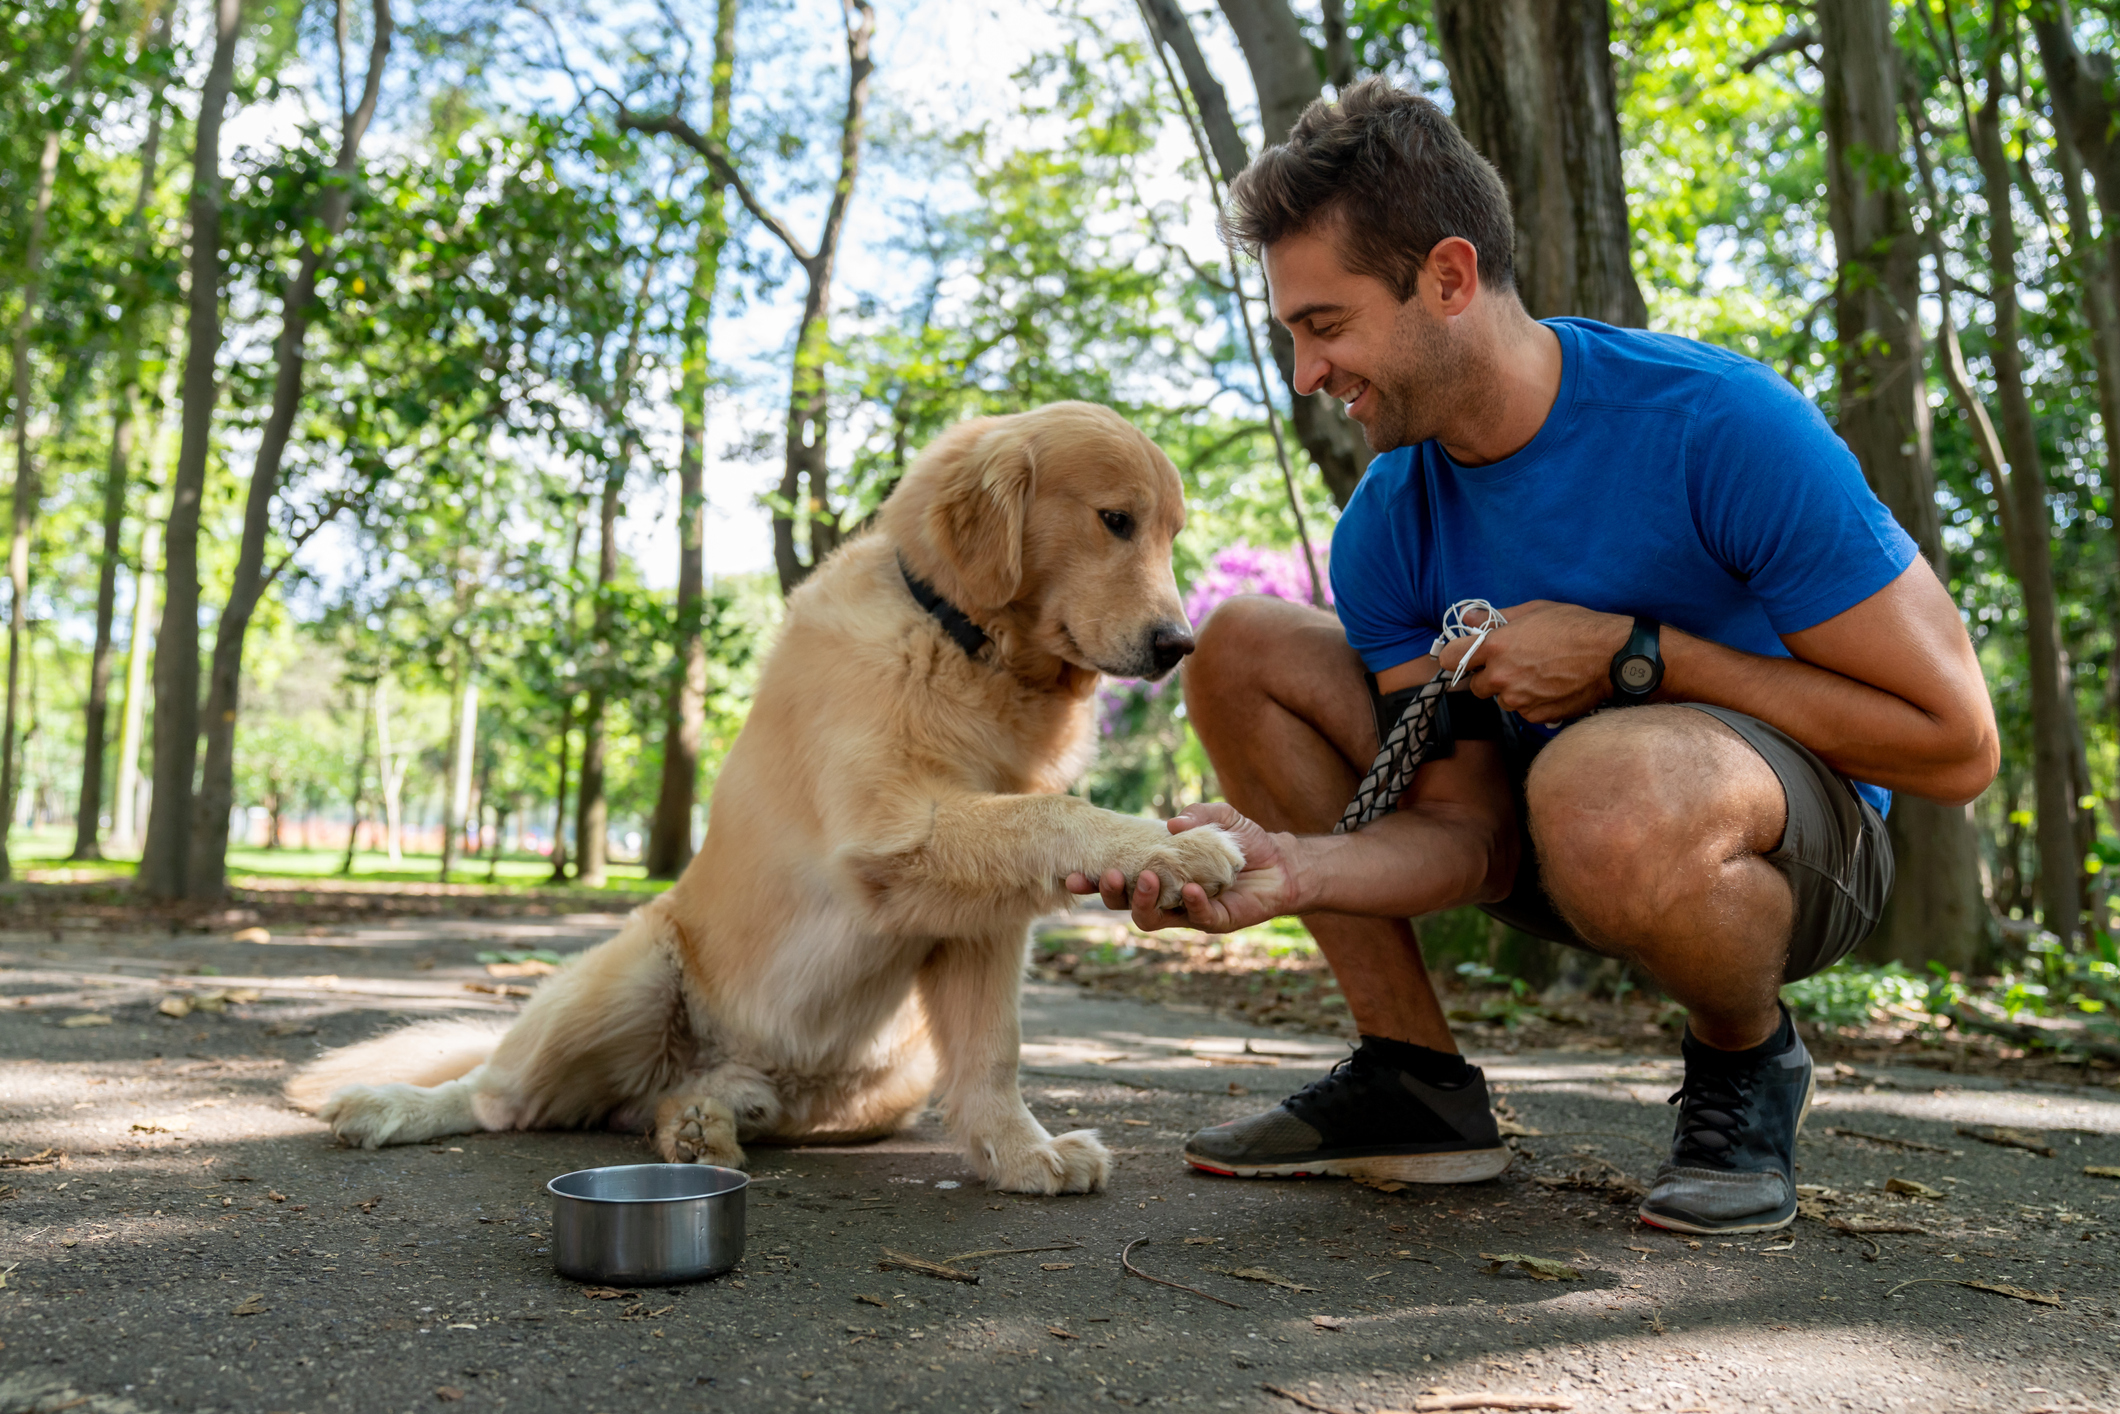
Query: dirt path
column 202, row 1247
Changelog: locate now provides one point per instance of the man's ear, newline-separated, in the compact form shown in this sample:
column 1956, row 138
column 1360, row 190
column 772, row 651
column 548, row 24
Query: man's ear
column 976, row 518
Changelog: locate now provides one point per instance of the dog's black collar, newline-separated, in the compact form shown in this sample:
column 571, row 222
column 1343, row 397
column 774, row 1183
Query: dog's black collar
column 970, row 637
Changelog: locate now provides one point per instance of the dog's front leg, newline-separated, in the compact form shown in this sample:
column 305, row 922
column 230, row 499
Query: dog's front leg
column 969, row 988
column 704, row 1120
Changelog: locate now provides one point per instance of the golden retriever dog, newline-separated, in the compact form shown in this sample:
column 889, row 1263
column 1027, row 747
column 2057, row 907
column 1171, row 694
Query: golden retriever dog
column 852, row 935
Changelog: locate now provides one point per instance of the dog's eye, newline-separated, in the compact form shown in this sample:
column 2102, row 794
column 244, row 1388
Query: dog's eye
column 1118, row 523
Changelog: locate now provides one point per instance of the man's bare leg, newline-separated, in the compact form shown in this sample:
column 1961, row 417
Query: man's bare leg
column 1282, row 706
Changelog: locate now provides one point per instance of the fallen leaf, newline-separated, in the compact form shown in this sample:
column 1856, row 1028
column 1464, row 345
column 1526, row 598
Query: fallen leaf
column 43, row 1158
column 368, row 1205
column 1912, row 1189
column 86, row 1018
column 530, row 967
column 273, row 1195
column 1381, row 1185
column 168, row 1124
column 1064, row 1335
column 873, row 1301
column 1261, row 1274
column 2008, row 1138
column 603, row 1293
column 1056, row 1266
column 1329, row 1323
column 448, row 1394
column 498, row 989
column 1141, row 1123
column 1236, row 1089
column 1201, row 1241
column 251, row 1305
column 1540, row 1268
column 178, row 1007
column 2102, row 1170
column 250, row 935
column 241, row 996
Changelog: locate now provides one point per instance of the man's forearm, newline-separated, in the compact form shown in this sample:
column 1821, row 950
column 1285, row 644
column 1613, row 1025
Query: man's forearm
column 1413, row 862
column 1858, row 730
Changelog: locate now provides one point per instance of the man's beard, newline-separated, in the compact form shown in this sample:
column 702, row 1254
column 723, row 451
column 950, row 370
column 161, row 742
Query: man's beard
column 1432, row 385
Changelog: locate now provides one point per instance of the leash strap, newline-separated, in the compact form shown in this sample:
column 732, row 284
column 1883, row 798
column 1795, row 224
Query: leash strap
column 969, row 636
column 1415, row 737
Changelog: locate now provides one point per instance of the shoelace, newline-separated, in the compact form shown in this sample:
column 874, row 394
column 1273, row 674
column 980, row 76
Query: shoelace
column 1711, row 1116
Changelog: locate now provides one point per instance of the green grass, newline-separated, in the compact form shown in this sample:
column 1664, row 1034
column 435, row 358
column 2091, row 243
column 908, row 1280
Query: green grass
column 45, row 848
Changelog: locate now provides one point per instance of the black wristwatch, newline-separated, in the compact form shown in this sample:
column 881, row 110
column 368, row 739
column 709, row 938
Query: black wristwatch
column 1638, row 668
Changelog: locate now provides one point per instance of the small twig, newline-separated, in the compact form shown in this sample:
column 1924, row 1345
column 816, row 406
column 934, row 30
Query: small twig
column 1424, row 1403
column 1306, row 1401
column 2008, row 1138
column 925, row 1267
column 2017, row 1292
column 1011, row 1251
column 1126, row 1262
column 1840, row 1224
column 1925, row 1148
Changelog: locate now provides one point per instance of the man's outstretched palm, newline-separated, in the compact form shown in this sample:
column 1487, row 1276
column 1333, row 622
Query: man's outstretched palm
column 1261, row 891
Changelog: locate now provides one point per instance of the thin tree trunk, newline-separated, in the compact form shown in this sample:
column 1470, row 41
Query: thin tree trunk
column 684, row 726
column 1936, row 912
column 207, row 862
column 28, row 491
column 125, row 424
column 456, row 805
column 2053, row 705
column 1534, row 90
column 125, row 807
column 592, row 812
column 805, row 488
column 390, row 775
column 164, row 858
column 360, row 790
column 559, row 795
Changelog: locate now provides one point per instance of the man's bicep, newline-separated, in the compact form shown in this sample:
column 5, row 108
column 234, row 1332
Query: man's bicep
column 1905, row 639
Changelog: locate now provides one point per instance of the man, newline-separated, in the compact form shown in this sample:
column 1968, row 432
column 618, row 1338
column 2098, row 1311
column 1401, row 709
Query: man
column 1721, row 656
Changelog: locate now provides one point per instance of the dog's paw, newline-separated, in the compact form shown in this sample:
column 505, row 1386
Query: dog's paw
column 699, row 1134
column 371, row 1116
column 1205, row 855
column 1074, row 1162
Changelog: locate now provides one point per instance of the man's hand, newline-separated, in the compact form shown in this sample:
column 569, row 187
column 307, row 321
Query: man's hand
column 1548, row 663
column 1264, row 889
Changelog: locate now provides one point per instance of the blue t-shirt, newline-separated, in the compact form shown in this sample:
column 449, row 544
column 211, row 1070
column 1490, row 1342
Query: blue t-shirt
column 1671, row 478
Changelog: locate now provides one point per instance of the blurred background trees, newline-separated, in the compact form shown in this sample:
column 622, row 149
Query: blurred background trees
column 417, row 410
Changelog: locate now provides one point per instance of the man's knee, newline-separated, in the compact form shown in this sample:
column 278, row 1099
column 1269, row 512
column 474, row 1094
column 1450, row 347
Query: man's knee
column 1634, row 814
column 1240, row 636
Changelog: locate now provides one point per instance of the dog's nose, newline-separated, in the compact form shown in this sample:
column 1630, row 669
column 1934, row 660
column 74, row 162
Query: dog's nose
column 1167, row 645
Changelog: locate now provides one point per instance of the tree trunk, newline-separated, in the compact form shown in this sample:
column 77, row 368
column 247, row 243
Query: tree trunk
column 163, row 861
column 125, row 808
column 684, row 726
column 2029, row 532
column 559, row 794
column 1936, row 912
column 456, row 805
column 206, row 868
column 360, row 790
column 27, row 490
column 1534, row 91
column 125, row 424
column 592, row 811
column 1287, row 82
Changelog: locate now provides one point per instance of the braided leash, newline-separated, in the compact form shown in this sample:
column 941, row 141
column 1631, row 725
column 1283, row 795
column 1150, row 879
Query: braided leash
column 1412, row 739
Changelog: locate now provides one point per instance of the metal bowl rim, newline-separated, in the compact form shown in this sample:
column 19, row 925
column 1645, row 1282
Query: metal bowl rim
column 742, row 1181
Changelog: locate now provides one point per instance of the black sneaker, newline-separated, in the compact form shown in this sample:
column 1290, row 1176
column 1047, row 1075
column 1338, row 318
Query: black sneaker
column 1366, row 1119
column 1732, row 1162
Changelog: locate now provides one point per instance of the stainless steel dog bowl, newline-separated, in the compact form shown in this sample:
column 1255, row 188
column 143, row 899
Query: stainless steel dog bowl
column 647, row 1224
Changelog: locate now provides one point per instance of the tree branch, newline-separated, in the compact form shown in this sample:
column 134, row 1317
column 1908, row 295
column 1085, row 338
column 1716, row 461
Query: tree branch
column 1793, row 42
column 718, row 158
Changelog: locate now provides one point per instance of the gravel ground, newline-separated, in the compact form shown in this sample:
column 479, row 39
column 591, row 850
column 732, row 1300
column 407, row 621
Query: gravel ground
column 187, row 1242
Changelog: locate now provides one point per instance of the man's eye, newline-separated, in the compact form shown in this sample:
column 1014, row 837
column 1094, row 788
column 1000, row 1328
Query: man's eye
column 1118, row 523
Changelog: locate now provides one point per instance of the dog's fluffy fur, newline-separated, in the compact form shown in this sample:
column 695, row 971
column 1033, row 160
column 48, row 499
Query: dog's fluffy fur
column 852, row 934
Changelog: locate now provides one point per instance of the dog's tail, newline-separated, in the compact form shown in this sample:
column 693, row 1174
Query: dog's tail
column 424, row 1053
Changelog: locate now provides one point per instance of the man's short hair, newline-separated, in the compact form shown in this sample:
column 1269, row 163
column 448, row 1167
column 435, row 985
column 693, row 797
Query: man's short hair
column 1396, row 176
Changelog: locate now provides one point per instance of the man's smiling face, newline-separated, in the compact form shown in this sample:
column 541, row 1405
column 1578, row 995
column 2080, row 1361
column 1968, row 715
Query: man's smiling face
column 1390, row 362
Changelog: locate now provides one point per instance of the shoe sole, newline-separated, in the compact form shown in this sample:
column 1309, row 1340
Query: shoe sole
column 1671, row 1224
column 1461, row 1166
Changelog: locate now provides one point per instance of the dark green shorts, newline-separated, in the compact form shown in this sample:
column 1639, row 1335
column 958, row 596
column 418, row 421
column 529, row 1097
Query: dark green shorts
column 1834, row 850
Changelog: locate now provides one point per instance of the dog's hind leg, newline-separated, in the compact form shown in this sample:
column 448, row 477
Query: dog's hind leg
column 970, row 989
column 608, row 1031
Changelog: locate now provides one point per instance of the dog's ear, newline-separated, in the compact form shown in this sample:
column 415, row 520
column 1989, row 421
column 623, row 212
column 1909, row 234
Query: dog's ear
column 976, row 518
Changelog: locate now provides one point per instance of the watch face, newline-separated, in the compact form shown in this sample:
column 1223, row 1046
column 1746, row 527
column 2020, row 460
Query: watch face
column 1636, row 673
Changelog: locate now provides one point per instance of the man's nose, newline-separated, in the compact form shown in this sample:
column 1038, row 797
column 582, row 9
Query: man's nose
column 1169, row 644
column 1312, row 371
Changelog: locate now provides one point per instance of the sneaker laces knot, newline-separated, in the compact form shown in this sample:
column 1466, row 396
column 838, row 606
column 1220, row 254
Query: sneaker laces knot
column 1711, row 1116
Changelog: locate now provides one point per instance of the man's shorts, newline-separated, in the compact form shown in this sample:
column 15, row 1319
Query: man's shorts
column 1834, row 850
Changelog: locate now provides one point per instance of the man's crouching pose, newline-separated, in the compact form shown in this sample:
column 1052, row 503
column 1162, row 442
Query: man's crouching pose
column 1721, row 656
